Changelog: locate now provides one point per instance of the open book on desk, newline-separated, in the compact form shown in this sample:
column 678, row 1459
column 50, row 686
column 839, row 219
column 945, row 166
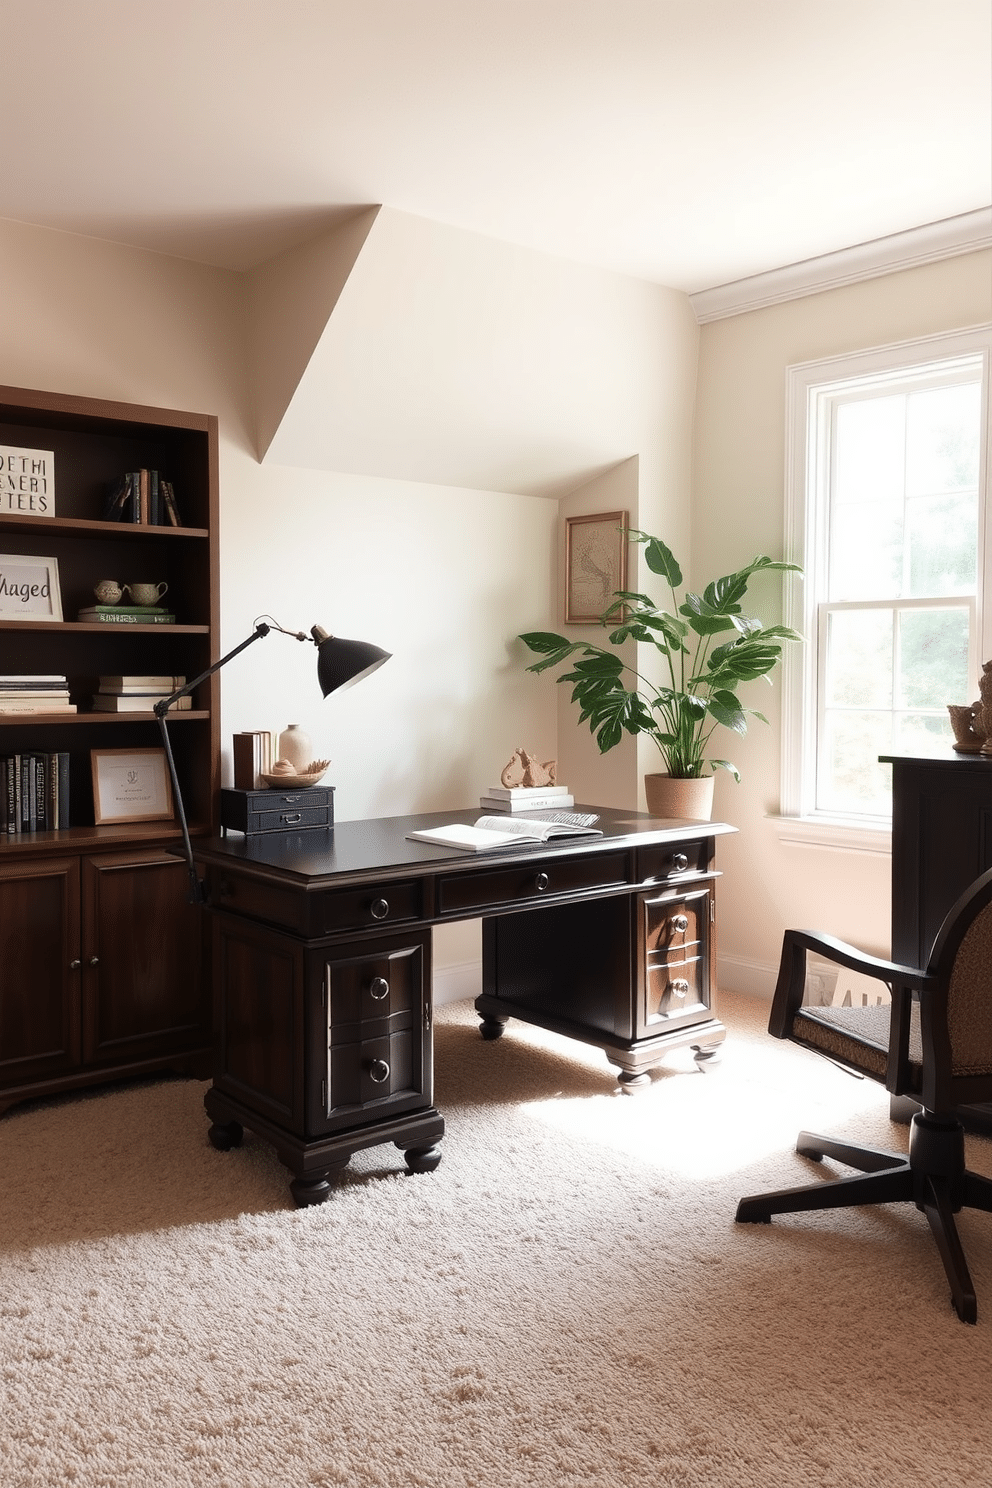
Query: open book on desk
column 499, row 831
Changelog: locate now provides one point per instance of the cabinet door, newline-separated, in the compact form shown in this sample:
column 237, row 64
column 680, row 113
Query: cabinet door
column 675, row 953
column 370, row 1032
column 39, row 969
column 145, row 992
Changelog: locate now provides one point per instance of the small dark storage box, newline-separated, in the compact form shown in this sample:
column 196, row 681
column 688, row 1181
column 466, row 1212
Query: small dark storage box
column 275, row 810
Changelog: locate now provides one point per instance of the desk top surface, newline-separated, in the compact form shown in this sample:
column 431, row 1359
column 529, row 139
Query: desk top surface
column 380, row 845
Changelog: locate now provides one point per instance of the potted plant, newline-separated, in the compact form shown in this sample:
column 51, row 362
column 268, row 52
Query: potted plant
column 700, row 679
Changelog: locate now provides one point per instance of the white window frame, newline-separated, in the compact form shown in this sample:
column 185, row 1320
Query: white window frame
column 811, row 389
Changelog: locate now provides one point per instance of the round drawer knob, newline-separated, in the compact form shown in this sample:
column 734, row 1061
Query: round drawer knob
column 680, row 862
column 680, row 989
column 680, row 923
column 94, row 960
column 379, row 909
column 541, row 882
column 379, row 1071
column 379, row 988
column 75, row 965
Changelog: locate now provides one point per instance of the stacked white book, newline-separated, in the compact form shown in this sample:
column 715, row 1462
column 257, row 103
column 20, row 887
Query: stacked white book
column 41, row 693
column 138, row 694
column 527, row 798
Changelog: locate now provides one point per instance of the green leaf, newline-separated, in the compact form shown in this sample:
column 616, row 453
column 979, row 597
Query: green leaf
column 716, row 764
column 725, row 708
column 661, row 560
column 546, row 640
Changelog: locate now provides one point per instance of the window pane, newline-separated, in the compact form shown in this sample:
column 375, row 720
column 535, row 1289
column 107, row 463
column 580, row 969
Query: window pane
column 850, row 779
column 942, row 437
column 932, row 668
column 870, row 450
column 866, row 551
column 942, row 539
column 859, row 659
column 920, row 733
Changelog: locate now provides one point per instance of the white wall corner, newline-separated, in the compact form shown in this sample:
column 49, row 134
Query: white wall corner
column 742, row 974
column 290, row 300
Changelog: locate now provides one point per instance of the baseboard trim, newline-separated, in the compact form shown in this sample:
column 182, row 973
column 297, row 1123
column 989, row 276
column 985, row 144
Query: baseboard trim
column 742, row 974
column 456, row 982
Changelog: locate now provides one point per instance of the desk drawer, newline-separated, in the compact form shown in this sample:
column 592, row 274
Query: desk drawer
column 514, row 884
column 673, row 859
column 360, row 909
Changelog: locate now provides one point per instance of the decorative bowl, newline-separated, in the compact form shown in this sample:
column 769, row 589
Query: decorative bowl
column 312, row 775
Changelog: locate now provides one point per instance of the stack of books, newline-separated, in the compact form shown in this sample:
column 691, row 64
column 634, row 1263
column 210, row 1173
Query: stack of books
column 126, row 615
column 42, row 693
column 527, row 798
column 142, row 496
column 253, row 753
column 138, row 694
column 34, row 792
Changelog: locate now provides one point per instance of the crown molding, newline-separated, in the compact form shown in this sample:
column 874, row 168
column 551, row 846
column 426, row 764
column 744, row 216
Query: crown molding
column 966, row 233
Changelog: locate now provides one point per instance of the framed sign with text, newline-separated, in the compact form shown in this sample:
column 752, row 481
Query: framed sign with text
column 29, row 588
column 27, row 482
column 130, row 785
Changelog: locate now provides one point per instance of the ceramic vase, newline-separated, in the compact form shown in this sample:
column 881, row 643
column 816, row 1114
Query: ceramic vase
column 295, row 745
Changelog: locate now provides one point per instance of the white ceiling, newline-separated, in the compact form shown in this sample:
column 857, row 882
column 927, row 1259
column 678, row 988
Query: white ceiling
column 690, row 142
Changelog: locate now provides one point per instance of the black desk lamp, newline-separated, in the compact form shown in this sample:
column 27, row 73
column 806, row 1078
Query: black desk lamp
column 340, row 663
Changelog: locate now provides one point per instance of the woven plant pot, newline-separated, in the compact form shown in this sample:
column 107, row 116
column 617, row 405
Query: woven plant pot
column 683, row 800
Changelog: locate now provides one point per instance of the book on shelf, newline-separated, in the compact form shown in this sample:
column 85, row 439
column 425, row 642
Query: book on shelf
column 35, row 705
column 118, row 615
column 252, row 753
column 490, row 832
column 524, row 792
column 137, row 702
column 34, row 792
column 142, row 497
column 33, row 694
column 153, row 682
column 26, row 680
column 538, row 802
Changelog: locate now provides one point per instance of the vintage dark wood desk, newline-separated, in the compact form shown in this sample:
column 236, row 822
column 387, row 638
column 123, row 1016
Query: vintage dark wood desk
column 322, row 969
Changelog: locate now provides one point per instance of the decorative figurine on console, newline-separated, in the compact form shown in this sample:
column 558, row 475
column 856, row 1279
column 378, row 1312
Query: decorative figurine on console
column 973, row 725
column 523, row 769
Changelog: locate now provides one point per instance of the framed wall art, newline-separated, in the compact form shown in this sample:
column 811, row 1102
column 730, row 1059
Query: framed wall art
column 29, row 588
column 130, row 785
column 595, row 564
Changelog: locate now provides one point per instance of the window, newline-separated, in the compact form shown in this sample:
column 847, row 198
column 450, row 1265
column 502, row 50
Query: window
column 886, row 513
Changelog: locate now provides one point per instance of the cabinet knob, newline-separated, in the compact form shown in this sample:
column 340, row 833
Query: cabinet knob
column 680, row 989
column 94, row 960
column 680, row 862
column 379, row 988
column 379, row 909
column 680, row 923
column 541, row 882
column 379, row 1071
column 75, row 965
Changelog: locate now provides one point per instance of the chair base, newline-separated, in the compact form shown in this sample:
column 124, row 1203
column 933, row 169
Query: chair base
column 933, row 1177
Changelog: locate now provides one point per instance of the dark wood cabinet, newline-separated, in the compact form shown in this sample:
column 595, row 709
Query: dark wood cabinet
column 103, row 971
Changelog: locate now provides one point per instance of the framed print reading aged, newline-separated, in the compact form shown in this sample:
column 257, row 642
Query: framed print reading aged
column 595, row 564
column 130, row 785
column 29, row 588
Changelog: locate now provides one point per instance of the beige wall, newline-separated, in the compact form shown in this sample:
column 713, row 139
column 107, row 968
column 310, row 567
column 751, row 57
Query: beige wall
column 738, row 505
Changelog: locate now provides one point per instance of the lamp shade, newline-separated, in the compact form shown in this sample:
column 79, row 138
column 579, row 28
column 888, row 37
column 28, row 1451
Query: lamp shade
column 340, row 662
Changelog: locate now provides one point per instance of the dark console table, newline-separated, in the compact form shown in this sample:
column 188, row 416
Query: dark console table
column 941, row 842
column 322, row 969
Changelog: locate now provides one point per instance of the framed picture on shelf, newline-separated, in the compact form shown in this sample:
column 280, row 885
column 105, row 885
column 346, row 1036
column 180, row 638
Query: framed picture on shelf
column 29, row 588
column 130, row 785
column 595, row 564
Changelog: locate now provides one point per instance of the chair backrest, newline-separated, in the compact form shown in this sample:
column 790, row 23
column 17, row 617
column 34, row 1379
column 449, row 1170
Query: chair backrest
column 956, row 1023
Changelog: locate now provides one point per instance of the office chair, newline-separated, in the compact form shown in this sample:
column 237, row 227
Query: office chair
column 933, row 1045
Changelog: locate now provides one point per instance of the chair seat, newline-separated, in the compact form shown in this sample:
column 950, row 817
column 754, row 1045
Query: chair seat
column 858, row 1037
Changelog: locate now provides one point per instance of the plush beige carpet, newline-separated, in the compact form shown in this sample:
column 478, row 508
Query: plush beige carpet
column 565, row 1301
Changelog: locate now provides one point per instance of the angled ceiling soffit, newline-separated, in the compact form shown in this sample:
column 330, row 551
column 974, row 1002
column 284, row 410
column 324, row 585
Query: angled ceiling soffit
column 448, row 358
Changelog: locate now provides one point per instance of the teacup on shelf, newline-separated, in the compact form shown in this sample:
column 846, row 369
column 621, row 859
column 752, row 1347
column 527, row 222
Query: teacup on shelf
column 108, row 592
column 145, row 594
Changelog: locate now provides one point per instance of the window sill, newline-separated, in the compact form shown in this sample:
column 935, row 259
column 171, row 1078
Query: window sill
column 838, row 833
